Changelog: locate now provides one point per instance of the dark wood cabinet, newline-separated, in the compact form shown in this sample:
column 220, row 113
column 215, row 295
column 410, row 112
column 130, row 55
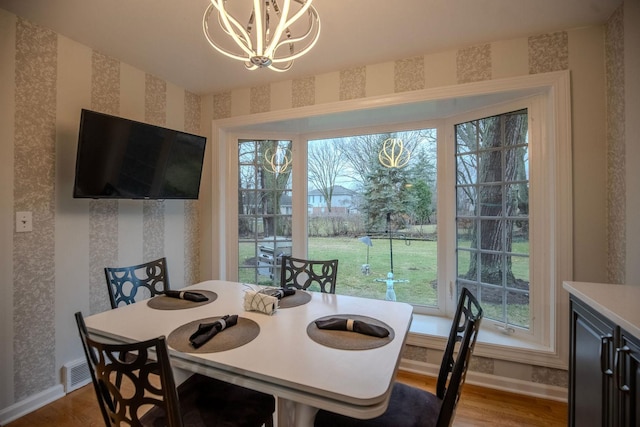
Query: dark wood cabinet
column 604, row 371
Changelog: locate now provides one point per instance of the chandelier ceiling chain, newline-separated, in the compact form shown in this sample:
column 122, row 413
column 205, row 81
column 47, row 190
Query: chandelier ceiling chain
column 269, row 38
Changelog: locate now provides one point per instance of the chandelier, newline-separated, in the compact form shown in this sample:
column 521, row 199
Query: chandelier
column 271, row 38
column 393, row 155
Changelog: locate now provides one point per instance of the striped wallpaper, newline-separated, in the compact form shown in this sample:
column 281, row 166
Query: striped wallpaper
column 119, row 232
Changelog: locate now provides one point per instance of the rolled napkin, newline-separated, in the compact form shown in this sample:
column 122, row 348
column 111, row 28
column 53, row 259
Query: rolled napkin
column 206, row 331
column 259, row 301
column 186, row 295
column 280, row 292
column 340, row 324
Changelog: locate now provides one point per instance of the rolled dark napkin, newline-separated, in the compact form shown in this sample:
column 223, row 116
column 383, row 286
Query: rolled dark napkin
column 339, row 324
column 281, row 292
column 187, row 295
column 206, row 331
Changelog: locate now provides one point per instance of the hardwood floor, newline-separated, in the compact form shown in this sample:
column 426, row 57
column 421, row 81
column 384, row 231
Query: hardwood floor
column 478, row 407
column 483, row 407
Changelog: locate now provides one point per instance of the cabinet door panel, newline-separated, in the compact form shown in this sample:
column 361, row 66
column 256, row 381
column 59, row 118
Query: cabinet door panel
column 628, row 378
column 591, row 380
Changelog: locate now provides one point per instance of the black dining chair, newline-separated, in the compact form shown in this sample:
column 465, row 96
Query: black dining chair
column 413, row 407
column 137, row 282
column 153, row 400
column 302, row 274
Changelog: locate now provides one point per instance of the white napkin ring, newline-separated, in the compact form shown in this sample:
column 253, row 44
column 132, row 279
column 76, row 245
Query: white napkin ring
column 350, row 324
column 223, row 324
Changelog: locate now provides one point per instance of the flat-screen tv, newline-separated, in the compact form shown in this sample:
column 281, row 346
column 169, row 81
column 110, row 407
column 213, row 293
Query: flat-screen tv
column 123, row 159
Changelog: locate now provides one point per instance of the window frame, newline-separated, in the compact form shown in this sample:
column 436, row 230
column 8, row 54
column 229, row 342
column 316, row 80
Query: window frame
column 554, row 127
column 540, row 289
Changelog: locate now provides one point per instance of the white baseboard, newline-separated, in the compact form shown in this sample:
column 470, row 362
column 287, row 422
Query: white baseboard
column 527, row 388
column 30, row 404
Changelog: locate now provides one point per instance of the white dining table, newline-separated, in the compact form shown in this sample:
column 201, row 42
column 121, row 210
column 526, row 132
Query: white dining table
column 282, row 360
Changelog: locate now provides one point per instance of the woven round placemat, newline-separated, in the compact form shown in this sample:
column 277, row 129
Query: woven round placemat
column 347, row 340
column 299, row 298
column 162, row 302
column 235, row 336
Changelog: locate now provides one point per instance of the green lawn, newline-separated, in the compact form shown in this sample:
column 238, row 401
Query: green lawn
column 414, row 262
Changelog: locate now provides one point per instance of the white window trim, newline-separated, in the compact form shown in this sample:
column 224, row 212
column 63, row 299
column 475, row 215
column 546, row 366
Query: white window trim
column 558, row 262
column 540, row 167
column 228, row 232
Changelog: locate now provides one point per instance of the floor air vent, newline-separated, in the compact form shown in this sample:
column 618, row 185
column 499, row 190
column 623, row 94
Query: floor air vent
column 75, row 375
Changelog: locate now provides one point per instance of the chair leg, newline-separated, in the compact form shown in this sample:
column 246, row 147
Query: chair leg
column 122, row 357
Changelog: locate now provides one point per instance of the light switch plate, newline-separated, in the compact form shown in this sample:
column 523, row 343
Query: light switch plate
column 24, row 222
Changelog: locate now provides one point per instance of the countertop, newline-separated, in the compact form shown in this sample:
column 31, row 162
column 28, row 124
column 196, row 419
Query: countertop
column 620, row 303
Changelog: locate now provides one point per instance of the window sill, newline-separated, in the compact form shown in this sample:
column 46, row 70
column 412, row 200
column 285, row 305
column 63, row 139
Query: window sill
column 433, row 332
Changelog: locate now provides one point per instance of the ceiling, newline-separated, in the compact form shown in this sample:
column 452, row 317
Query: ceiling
column 164, row 37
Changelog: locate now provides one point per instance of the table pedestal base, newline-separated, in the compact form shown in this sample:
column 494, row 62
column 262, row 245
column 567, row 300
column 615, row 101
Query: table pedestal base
column 294, row 414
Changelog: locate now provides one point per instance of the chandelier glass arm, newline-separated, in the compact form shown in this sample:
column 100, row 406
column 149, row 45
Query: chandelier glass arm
column 297, row 39
column 277, row 32
column 305, row 6
column 227, row 23
column 260, row 30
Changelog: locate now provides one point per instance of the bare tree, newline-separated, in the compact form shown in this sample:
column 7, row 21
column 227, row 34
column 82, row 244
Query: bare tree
column 362, row 151
column 496, row 236
column 276, row 183
column 326, row 164
column 261, row 189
